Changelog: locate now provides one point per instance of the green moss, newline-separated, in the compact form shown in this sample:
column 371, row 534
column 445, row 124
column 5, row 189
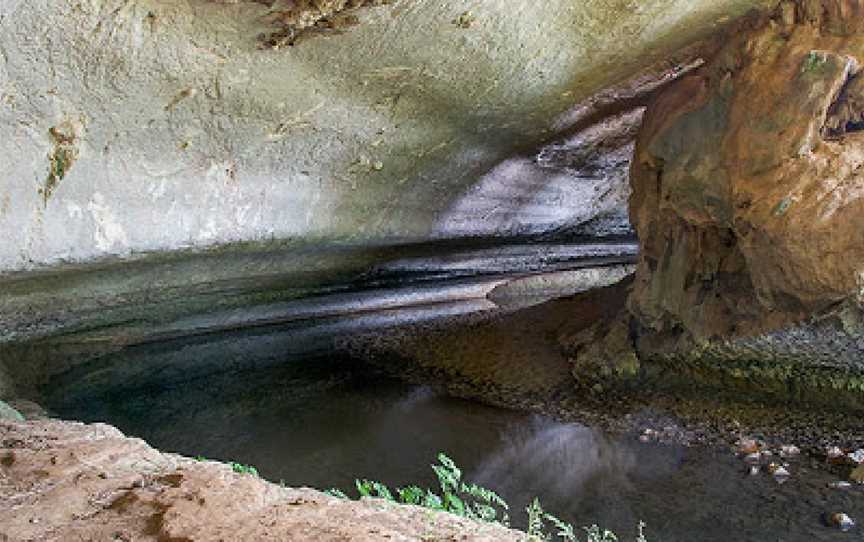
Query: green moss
column 60, row 161
column 782, row 207
column 814, row 62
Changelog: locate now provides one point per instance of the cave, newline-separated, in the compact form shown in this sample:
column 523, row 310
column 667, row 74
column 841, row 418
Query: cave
column 600, row 264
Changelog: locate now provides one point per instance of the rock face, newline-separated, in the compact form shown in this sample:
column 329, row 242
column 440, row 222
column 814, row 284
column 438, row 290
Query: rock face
column 162, row 125
column 748, row 199
column 68, row 481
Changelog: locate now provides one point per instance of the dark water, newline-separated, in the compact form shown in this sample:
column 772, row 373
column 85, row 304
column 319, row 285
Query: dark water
column 322, row 422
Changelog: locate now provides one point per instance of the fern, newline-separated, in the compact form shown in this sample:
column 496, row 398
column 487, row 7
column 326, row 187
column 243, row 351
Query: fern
column 479, row 503
column 333, row 492
column 596, row 535
column 565, row 530
column 536, row 527
column 411, row 495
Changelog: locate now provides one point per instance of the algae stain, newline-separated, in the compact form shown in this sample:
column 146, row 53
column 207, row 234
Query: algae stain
column 782, row 207
column 814, row 62
column 62, row 157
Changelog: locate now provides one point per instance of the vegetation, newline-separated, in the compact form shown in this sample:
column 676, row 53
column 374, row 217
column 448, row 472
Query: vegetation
column 239, row 468
column 813, row 62
column 475, row 502
column 243, row 469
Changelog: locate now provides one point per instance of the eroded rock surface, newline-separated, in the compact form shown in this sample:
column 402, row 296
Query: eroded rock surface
column 160, row 125
column 68, row 481
column 748, row 197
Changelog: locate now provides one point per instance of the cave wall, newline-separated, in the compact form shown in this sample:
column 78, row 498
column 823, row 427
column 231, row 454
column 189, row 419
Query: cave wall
column 748, row 197
column 159, row 125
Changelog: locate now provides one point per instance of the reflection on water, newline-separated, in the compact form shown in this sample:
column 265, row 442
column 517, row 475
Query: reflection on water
column 323, row 422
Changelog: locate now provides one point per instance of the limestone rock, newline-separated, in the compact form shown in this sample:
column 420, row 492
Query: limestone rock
column 748, row 203
column 157, row 125
column 105, row 486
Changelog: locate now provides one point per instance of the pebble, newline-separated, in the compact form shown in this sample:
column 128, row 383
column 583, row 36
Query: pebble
column 839, row 485
column 834, row 452
column 857, row 456
column 649, row 435
column 789, row 451
column 747, row 446
column 755, row 457
column 778, row 471
column 754, row 470
column 858, row 474
column 841, row 521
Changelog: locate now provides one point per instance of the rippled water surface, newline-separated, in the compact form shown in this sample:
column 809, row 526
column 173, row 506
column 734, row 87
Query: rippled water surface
column 323, row 422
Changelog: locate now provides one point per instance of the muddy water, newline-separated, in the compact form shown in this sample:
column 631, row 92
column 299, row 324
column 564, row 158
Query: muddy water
column 323, row 421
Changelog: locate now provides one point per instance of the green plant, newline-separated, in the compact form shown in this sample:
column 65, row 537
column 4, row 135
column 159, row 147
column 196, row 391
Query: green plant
column 243, row 469
column 479, row 503
column 813, row 61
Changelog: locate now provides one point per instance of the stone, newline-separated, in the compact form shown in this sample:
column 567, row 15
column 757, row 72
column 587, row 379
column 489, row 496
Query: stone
column 750, row 213
column 117, row 482
column 780, row 472
column 789, row 450
column 754, row 457
column 834, row 452
column 747, row 446
column 857, row 475
column 223, row 137
column 841, row 521
column 856, row 457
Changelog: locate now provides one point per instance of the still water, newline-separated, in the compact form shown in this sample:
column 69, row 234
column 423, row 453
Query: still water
column 323, row 421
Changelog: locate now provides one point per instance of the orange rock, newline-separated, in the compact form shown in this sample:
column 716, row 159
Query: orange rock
column 747, row 180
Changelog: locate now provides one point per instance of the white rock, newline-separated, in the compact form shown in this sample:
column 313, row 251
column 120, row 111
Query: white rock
column 842, row 521
column 789, row 451
column 755, row 457
column 778, row 471
column 857, row 456
column 747, row 446
column 834, row 452
column 839, row 485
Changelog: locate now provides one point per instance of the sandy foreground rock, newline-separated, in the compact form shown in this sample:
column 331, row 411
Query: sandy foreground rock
column 71, row 481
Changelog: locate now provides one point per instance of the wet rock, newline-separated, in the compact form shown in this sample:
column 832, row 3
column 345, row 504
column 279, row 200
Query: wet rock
column 754, row 457
column 833, row 453
column 747, row 446
column 789, row 450
column 779, row 472
column 856, row 457
column 840, row 521
column 858, row 474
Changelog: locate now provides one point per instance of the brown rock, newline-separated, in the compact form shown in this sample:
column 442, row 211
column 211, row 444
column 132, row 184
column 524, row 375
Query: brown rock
column 858, row 474
column 747, row 181
column 69, row 481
